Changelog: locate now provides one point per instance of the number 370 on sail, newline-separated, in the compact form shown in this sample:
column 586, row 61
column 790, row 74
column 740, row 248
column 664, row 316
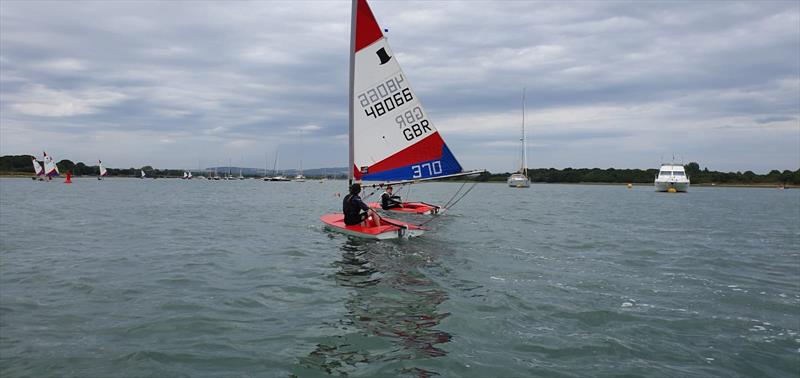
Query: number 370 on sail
column 432, row 168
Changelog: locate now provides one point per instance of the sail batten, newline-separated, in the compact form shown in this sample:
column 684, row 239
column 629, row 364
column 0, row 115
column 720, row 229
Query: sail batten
column 391, row 136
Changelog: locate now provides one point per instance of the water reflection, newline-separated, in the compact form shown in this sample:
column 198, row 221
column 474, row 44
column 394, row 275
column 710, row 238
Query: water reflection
column 391, row 314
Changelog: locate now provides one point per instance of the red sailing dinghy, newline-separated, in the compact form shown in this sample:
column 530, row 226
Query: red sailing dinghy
column 410, row 208
column 392, row 140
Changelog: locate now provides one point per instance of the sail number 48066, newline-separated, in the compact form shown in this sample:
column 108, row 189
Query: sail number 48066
column 432, row 168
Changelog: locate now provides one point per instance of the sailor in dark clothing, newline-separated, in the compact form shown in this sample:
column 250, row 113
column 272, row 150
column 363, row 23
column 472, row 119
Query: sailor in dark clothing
column 355, row 210
column 390, row 201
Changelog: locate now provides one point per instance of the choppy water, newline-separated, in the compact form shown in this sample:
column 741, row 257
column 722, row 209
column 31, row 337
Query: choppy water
column 135, row 278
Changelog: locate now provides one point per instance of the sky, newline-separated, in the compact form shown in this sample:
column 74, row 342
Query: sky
column 185, row 85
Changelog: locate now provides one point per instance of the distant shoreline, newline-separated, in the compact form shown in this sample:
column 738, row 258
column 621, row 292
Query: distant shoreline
column 703, row 185
column 6, row 175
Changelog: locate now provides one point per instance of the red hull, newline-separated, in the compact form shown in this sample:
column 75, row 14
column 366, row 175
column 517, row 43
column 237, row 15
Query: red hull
column 385, row 231
column 410, row 208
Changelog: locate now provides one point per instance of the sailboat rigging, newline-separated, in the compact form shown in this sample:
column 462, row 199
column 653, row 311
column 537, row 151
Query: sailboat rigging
column 391, row 138
column 521, row 179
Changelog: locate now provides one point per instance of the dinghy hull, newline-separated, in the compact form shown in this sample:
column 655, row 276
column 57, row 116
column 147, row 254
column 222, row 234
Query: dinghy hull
column 410, row 208
column 335, row 222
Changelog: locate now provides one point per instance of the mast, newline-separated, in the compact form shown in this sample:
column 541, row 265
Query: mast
column 351, row 162
column 524, row 169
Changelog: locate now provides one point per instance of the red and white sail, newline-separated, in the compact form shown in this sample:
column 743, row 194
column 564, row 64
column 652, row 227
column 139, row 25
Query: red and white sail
column 392, row 137
column 37, row 168
column 50, row 167
column 103, row 171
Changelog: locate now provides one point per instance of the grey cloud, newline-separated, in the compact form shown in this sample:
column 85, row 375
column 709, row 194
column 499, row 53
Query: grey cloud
column 219, row 73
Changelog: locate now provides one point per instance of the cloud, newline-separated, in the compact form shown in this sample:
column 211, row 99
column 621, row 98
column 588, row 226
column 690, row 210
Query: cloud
column 38, row 100
column 631, row 80
column 773, row 119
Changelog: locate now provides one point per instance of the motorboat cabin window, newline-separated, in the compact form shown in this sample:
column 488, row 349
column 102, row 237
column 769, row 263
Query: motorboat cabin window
column 677, row 173
column 665, row 173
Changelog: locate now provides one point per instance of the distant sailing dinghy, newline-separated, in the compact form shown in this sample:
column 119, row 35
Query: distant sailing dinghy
column 103, row 171
column 143, row 175
column 50, row 167
column 392, row 140
column 521, row 179
column 37, row 170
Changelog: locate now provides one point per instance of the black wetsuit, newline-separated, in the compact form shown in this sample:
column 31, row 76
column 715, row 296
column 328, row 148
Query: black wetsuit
column 352, row 207
column 389, row 201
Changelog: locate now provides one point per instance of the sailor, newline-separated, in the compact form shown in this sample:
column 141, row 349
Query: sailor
column 389, row 200
column 355, row 210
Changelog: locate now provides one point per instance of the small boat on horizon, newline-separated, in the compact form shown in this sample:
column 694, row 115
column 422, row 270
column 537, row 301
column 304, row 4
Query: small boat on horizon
column 50, row 167
column 672, row 178
column 521, row 179
column 38, row 170
column 103, row 170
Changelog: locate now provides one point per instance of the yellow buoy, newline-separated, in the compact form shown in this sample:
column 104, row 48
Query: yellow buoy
column 671, row 190
column 630, row 186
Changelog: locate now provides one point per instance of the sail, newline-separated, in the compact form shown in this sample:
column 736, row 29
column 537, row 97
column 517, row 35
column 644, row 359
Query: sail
column 189, row 175
column 142, row 173
column 103, row 170
column 37, row 168
column 392, row 137
column 50, row 167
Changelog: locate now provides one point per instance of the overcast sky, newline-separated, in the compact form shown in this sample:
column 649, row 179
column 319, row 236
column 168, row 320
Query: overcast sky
column 180, row 84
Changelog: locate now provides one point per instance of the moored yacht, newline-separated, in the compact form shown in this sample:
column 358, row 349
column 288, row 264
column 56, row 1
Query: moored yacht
column 672, row 178
column 521, row 179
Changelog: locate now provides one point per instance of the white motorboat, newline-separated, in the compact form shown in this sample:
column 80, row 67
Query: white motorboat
column 672, row 178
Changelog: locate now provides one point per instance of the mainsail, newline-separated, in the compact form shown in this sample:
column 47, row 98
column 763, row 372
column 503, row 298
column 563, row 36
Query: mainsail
column 391, row 136
column 103, row 171
column 50, row 167
column 37, row 168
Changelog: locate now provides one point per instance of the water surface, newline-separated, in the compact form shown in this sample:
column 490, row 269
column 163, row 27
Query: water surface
column 127, row 277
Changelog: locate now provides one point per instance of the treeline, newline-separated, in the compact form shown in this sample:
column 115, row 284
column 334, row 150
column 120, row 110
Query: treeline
column 623, row 176
column 22, row 164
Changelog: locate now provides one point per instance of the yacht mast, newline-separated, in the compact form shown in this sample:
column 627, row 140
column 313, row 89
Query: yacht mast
column 524, row 157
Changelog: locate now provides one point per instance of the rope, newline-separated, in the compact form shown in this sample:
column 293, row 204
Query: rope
column 454, row 195
column 450, row 205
